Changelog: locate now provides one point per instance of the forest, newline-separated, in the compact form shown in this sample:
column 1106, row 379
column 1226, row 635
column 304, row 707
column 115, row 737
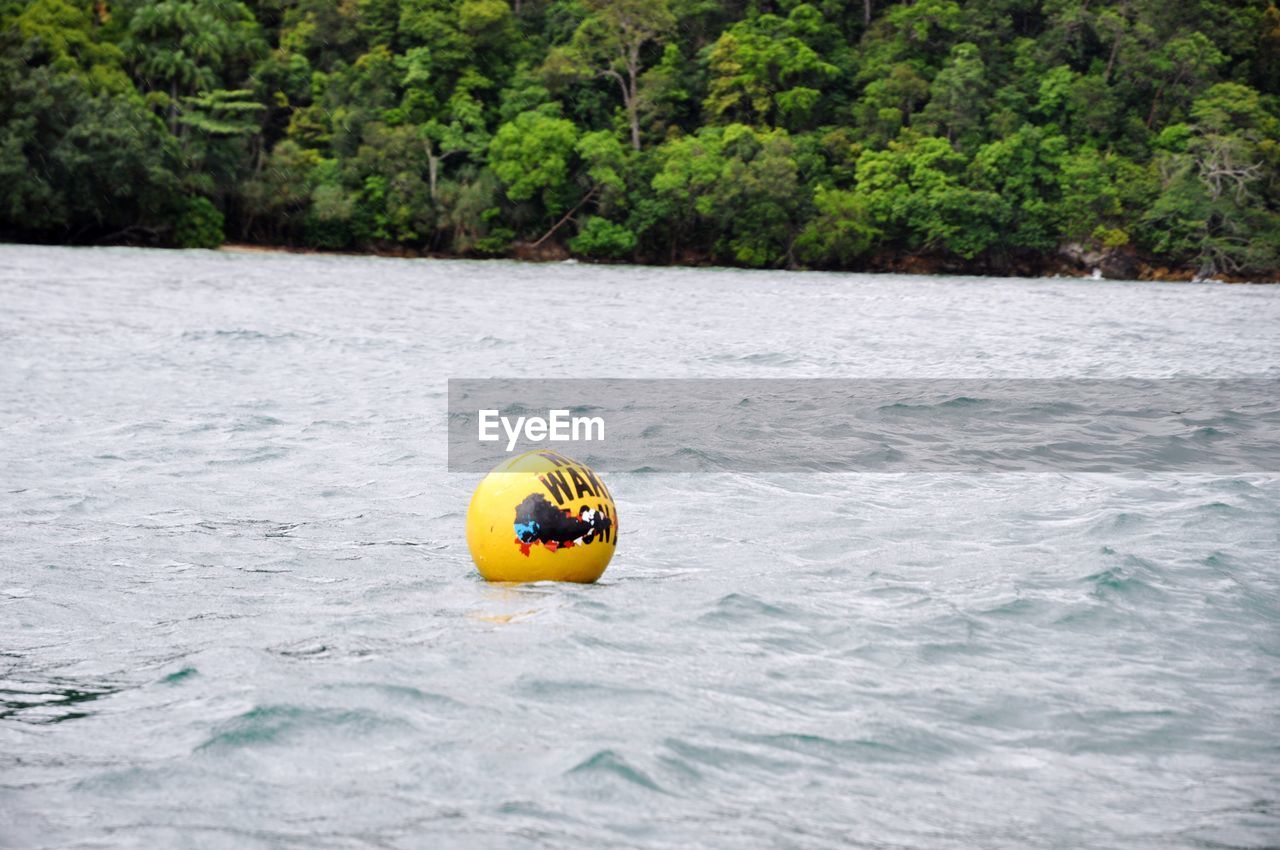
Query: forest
column 1141, row 137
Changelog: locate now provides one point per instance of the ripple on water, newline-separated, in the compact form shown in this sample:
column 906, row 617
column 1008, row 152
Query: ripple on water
column 270, row 725
column 44, row 703
column 1129, row 582
column 404, row 694
column 734, row 760
column 577, row 691
column 179, row 676
column 845, row 752
column 240, row 335
column 605, row 770
column 743, row 607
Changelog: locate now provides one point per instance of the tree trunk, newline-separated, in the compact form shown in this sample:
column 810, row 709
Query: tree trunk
column 1155, row 103
column 1115, row 48
column 634, row 118
column 173, row 107
column 1111, row 62
column 631, row 95
column 434, row 161
column 866, row 13
column 567, row 216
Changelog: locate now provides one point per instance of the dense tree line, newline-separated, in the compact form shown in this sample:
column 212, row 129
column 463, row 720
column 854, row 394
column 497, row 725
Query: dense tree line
column 981, row 134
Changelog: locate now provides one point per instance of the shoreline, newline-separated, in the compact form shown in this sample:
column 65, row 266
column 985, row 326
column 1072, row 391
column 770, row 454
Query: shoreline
column 1057, row 267
column 910, row 265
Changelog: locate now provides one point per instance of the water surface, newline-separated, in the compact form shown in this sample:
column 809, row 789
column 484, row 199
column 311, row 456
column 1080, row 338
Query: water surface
column 236, row 607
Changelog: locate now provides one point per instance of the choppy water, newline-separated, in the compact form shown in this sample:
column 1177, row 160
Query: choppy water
column 236, row 607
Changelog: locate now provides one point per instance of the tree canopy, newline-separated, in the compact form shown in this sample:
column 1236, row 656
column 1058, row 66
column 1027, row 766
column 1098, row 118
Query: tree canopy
column 982, row 135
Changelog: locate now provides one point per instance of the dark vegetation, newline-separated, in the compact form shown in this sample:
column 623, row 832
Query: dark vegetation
column 981, row 135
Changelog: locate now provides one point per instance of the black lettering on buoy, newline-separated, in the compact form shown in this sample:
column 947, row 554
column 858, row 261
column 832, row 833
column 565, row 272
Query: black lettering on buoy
column 557, row 486
column 557, row 459
column 580, row 483
column 602, row 488
column 612, row 529
column 595, row 482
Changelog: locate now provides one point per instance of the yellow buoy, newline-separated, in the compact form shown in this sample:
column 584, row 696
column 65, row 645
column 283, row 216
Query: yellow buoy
column 542, row 517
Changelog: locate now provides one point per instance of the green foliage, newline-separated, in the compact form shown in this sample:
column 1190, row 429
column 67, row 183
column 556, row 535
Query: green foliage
column 390, row 173
column 607, row 43
column 840, row 233
column 915, row 190
column 76, row 163
column 956, row 98
column 987, row 134
column 738, row 182
column 221, row 113
column 888, row 103
column 1024, row 170
column 531, row 157
column 63, row 33
column 1218, row 202
column 762, row 71
column 602, row 239
column 199, row 225
column 604, row 167
column 185, row 46
column 281, row 192
column 919, row 33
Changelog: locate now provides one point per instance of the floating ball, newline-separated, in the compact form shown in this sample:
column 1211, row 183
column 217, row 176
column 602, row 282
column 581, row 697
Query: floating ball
column 541, row 516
